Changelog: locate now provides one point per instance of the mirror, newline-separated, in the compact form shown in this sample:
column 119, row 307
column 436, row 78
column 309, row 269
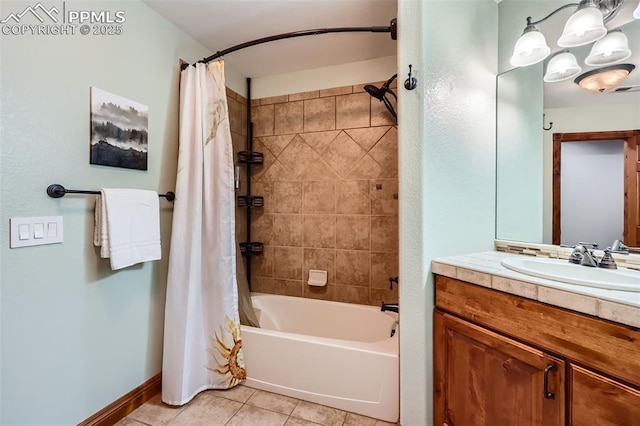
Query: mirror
column 524, row 186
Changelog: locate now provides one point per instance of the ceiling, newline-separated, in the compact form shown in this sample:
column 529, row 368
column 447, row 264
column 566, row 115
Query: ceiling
column 220, row 24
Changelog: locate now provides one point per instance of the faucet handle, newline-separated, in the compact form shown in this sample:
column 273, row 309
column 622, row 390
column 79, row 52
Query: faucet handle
column 589, row 245
column 607, row 260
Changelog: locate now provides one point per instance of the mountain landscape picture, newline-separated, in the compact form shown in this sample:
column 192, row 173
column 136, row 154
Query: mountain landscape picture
column 119, row 131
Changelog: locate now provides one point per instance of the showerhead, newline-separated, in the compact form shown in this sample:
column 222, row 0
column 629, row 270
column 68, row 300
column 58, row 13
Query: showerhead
column 380, row 93
column 374, row 91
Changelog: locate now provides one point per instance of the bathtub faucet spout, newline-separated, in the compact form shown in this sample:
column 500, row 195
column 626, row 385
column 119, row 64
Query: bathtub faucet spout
column 393, row 307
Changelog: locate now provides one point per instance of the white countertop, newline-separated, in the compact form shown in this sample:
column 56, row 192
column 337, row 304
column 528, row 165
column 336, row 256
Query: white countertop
column 485, row 269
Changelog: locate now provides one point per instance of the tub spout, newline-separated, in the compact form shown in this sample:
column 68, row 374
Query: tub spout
column 393, row 307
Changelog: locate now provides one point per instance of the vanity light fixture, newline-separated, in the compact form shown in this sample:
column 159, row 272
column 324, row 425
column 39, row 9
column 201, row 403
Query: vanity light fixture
column 604, row 79
column 562, row 66
column 614, row 47
column 584, row 26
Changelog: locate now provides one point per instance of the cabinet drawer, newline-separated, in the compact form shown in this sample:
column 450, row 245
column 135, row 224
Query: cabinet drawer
column 597, row 400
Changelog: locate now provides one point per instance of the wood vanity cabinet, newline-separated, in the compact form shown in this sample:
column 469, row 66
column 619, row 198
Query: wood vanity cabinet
column 503, row 360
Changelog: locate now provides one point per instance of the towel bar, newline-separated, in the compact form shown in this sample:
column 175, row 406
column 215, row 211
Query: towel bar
column 57, row 191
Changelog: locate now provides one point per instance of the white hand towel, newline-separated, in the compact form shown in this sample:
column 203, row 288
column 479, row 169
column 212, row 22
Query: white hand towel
column 131, row 218
column 100, row 237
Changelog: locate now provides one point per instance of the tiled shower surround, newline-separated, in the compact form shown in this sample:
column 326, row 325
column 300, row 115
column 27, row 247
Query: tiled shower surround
column 330, row 182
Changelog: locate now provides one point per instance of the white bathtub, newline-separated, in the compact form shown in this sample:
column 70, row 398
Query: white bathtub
column 330, row 353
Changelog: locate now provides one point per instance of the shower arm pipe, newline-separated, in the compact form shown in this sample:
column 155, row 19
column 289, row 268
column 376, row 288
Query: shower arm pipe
column 392, row 28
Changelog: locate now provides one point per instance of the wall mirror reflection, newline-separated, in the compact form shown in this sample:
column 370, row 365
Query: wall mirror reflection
column 551, row 189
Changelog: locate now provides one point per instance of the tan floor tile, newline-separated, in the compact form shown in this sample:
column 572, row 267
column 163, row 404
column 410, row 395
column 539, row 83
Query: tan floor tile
column 239, row 393
column 155, row 412
column 353, row 419
column 129, row 422
column 254, row 416
column 321, row 414
column 207, row 409
column 294, row 421
column 273, row 402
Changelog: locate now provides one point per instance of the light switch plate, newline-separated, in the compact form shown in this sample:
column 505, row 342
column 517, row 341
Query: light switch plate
column 41, row 230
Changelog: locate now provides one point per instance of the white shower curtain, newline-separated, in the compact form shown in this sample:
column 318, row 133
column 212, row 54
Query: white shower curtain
column 202, row 345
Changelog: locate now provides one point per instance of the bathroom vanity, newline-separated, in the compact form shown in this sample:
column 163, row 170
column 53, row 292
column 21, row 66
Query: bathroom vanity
column 511, row 349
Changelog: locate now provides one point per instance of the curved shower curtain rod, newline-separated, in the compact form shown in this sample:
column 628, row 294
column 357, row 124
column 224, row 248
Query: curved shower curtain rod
column 392, row 28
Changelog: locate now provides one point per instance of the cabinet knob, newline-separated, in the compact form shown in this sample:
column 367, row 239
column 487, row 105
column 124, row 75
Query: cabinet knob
column 547, row 393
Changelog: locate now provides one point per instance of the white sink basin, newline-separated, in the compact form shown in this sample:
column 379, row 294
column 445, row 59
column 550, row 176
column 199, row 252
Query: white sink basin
column 562, row 270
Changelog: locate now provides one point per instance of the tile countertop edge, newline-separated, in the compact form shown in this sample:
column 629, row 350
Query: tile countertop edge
column 484, row 269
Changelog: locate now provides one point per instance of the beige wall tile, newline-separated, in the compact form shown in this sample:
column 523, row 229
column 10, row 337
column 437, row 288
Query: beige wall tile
column 319, row 231
column 277, row 173
column 263, row 120
column 239, row 144
column 319, row 170
column 298, row 157
column 230, row 93
column 384, row 233
column 352, row 197
column 274, row 100
column 352, row 232
column 266, row 190
column 287, row 197
column 276, row 144
column 384, row 200
column 383, row 267
column 262, row 227
column 352, row 268
column 235, row 115
column 353, row 110
column 380, row 115
column 322, row 259
column 320, row 141
column 257, row 171
column 359, row 88
column 287, row 230
column 367, row 137
column 385, row 152
column 276, row 286
column 288, row 118
column 339, row 293
column 287, row 263
column 381, row 295
column 303, row 96
column 262, row 266
column 336, row 91
column 320, row 114
column 343, row 154
column 366, row 168
column 319, row 197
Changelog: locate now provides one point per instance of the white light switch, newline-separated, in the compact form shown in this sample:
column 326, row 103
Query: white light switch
column 24, row 233
column 33, row 231
column 38, row 231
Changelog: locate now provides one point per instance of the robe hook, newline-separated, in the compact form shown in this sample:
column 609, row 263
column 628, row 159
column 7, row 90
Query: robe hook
column 411, row 82
column 544, row 126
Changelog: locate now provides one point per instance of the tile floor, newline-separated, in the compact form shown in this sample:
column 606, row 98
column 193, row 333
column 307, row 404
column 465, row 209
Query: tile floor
column 243, row 406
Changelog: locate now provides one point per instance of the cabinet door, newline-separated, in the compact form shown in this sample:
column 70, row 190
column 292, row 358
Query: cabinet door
column 596, row 400
column 485, row 379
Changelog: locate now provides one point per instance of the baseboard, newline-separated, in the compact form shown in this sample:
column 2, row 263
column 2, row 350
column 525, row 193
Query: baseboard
column 120, row 408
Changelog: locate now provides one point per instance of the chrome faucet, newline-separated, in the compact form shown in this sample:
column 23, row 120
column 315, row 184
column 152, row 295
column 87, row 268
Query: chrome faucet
column 582, row 254
column 393, row 307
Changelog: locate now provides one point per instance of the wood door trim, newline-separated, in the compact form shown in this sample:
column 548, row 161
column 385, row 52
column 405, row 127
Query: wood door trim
column 630, row 208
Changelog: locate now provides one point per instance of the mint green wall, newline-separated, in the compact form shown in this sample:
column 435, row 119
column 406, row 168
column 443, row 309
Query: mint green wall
column 75, row 335
column 447, row 166
column 519, row 182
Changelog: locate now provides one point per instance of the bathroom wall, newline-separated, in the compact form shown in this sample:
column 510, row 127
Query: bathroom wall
column 331, row 195
column 447, row 166
column 76, row 336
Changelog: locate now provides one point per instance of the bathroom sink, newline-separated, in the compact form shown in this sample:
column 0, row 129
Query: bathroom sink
column 562, row 270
